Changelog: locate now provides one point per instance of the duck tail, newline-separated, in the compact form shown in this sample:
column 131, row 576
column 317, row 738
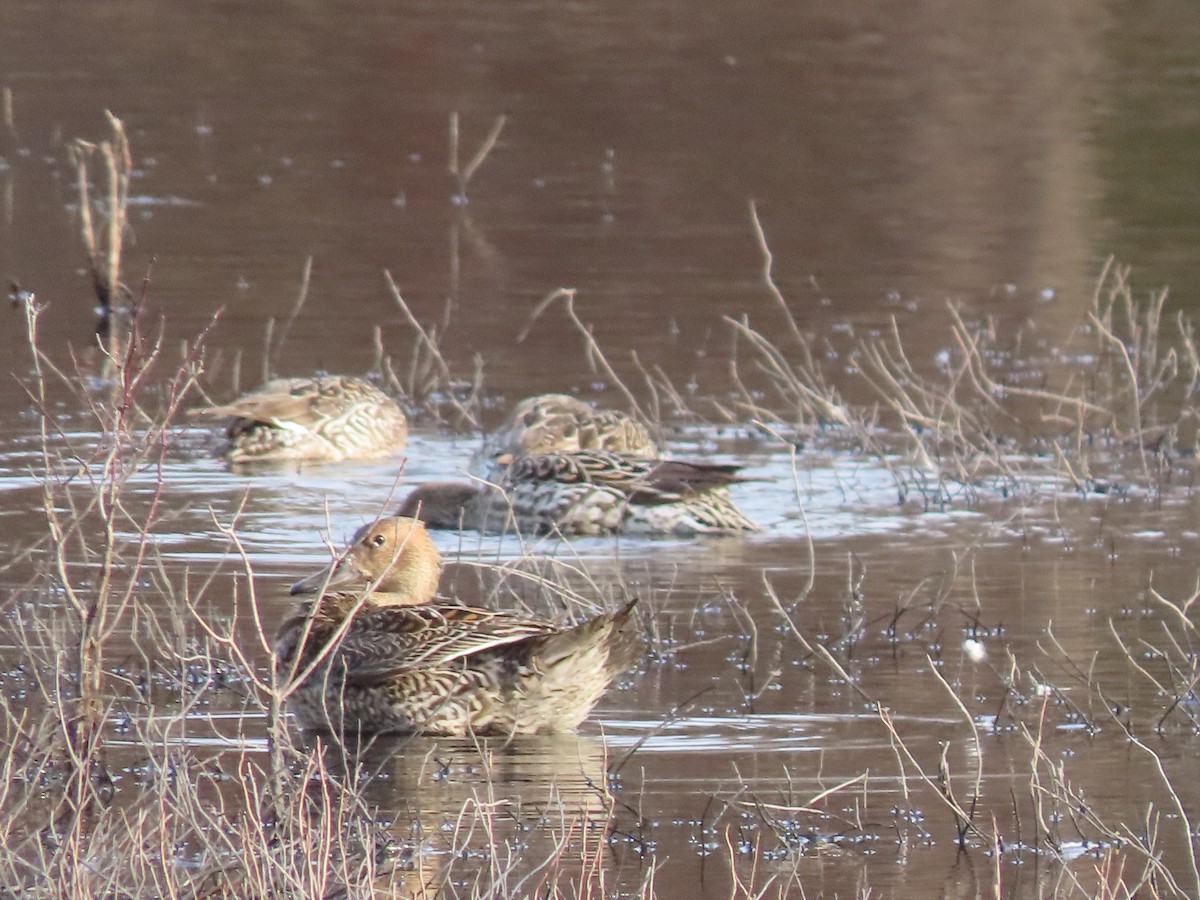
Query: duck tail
column 615, row 632
column 625, row 641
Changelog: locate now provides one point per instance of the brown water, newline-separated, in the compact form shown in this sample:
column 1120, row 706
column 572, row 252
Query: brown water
column 899, row 158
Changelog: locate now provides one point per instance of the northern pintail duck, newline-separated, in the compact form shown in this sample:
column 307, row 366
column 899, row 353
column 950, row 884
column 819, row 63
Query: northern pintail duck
column 325, row 418
column 549, row 423
column 588, row 493
column 376, row 652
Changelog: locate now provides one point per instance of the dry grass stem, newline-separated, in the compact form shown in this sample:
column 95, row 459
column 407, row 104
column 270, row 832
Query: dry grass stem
column 105, row 245
column 464, row 174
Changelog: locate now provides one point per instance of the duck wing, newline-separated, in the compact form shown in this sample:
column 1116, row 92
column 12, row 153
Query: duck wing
column 672, row 480
column 641, row 480
column 388, row 641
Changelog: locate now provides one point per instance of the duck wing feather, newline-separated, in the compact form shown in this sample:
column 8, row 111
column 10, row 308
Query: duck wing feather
column 385, row 642
column 646, row 481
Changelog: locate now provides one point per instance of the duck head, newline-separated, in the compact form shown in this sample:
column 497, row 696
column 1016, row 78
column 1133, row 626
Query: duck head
column 395, row 554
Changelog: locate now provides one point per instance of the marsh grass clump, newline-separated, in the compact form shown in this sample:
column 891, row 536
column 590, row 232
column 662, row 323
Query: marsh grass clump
column 86, row 490
column 1109, row 412
column 1108, row 407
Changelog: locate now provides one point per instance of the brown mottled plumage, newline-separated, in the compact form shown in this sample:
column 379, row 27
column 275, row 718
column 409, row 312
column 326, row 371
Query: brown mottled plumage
column 588, row 492
column 326, row 418
column 388, row 658
column 548, row 423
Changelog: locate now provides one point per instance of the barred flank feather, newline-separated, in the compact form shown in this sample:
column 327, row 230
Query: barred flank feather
column 589, row 492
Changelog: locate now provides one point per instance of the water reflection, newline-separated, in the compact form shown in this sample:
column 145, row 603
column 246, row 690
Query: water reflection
column 469, row 811
column 439, row 776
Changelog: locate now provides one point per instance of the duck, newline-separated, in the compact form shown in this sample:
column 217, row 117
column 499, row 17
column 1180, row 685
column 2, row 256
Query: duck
column 330, row 417
column 371, row 649
column 589, row 492
column 547, row 423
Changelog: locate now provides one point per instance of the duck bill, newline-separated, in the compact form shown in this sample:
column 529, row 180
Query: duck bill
column 337, row 575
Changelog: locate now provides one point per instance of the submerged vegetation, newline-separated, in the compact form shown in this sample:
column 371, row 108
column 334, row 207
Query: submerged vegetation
column 147, row 751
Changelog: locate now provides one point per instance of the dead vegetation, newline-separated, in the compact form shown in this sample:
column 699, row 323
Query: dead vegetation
column 1110, row 407
column 105, row 244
